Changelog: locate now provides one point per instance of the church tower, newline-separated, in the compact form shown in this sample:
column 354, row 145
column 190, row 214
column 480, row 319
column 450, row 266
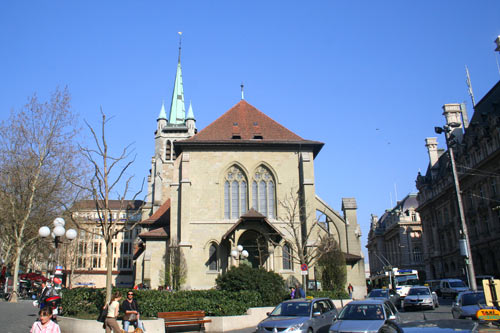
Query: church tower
column 168, row 130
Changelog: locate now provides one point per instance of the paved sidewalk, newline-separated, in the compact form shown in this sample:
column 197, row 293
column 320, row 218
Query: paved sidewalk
column 17, row 317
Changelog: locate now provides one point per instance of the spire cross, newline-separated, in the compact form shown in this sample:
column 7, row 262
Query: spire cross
column 242, row 91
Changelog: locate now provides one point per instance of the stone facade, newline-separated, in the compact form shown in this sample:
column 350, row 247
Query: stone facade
column 86, row 258
column 234, row 183
column 396, row 238
column 476, row 147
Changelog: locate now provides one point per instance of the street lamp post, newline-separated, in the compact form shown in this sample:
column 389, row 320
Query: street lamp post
column 239, row 253
column 465, row 249
column 57, row 233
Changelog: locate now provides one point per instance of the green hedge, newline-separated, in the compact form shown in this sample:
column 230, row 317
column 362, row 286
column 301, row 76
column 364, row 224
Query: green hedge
column 333, row 294
column 87, row 302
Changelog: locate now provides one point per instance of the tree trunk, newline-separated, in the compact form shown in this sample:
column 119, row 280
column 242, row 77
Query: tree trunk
column 109, row 268
column 17, row 262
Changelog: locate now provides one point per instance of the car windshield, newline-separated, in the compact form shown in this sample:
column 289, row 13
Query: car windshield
column 378, row 293
column 473, row 299
column 362, row 312
column 457, row 284
column 419, row 291
column 294, row 309
column 407, row 280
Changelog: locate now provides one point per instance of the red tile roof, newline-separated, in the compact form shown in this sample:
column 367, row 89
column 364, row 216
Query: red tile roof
column 245, row 126
column 155, row 233
column 158, row 214
column 113, row 204
column 246, row 121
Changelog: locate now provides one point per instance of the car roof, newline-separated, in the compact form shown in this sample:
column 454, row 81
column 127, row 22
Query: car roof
column 302, row 300
column 453, row 280
column 368, row 301
column 419, row 287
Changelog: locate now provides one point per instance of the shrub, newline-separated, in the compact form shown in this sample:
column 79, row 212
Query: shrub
column 269, row 285
column 86, row 303
column 333, row 294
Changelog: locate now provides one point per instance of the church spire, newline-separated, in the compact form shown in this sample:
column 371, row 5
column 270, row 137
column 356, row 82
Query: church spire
column 163, row 114
column 177, row 107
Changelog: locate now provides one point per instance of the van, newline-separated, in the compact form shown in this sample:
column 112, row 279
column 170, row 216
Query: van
column 451, row 288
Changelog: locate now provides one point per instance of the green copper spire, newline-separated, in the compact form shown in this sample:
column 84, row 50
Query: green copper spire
column 163, row 114
column 177, row 108
column 190, row 114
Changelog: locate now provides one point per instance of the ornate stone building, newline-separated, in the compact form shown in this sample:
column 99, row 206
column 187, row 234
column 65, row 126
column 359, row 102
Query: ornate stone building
column 87, row 256
column 213, row 190
column 396, row 238
column 476, row 147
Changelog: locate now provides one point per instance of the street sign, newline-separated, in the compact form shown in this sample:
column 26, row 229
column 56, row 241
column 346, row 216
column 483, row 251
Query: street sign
column 303, row 273
column 303, row 267
column 491, row 292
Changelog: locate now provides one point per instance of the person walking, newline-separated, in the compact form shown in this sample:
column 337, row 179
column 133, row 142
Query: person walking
column 131, row 310
column 292, row 292
column 350, row 290
column 110, row 324
column 45, row 324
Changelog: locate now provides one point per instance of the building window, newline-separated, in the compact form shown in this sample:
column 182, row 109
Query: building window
column 493, row 184
column 263, row 192
column 212, row 258
column 287, row 257
column 417, row 255
column 235, row 194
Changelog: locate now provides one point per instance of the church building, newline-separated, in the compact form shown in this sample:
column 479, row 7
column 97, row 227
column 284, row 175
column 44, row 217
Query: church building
column 228, row 193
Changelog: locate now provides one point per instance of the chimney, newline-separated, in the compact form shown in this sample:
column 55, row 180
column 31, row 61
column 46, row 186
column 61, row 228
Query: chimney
column 452, row 113
column 431, row 144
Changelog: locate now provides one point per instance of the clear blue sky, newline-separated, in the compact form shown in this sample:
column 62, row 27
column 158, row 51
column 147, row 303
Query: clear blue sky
column 367, row 78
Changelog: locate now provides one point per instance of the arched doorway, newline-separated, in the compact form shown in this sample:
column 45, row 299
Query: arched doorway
column 256, row 245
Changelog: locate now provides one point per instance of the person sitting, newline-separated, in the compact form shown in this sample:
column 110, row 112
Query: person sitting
column 131, row 310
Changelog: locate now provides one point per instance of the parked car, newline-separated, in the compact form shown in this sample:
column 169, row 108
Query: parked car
column 300, row 315
column 420, row 297
column 451, row 288
column 367, row 315
column 467, row 304
column 438, row 326
column 387, row 294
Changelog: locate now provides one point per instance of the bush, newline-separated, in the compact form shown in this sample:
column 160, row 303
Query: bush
column 269, row 285
column 333, row 294
column 86, row 303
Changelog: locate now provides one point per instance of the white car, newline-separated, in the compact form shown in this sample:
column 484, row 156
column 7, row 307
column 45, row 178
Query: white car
column 420, row 297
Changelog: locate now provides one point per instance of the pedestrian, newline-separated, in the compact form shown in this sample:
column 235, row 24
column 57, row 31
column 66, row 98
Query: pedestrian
column 43, row 295
column 131, row 310
column 299, row 292
column 292, row 292
column 45, row 324
column 350, row 290
column 114, row 305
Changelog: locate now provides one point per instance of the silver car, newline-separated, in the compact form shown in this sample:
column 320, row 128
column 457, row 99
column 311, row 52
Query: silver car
column 365, row 316
column 300, row 315
column 420, row 297
column 467, row 304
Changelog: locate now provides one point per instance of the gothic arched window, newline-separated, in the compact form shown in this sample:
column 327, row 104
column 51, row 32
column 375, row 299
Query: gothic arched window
column 212, row 258
column 263, row 192
column 235, row 193
column 287, row 257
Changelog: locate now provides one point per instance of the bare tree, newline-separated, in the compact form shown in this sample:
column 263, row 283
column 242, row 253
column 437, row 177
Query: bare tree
column 307, row 242
column 109, row 173
column 37, row 156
